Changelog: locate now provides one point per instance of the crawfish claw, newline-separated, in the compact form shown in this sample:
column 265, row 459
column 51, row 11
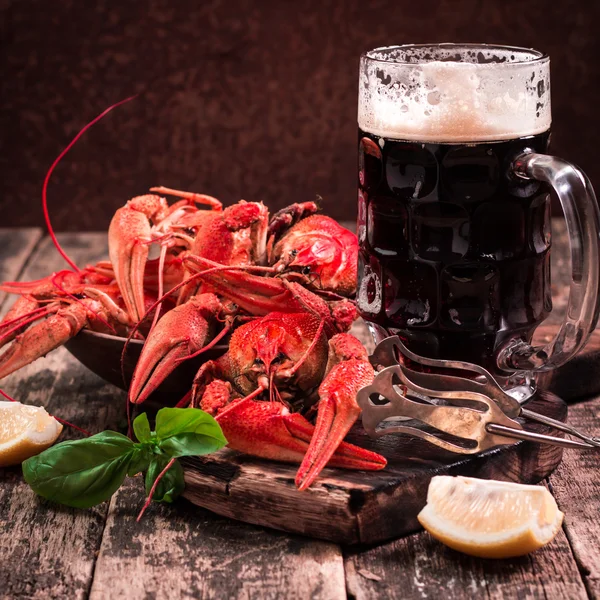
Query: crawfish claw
column 42, row 338
column 128, row 237
column 181, row 332
column 337, row 412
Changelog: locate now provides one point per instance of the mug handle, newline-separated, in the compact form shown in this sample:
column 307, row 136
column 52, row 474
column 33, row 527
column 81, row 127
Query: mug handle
column 580, row 208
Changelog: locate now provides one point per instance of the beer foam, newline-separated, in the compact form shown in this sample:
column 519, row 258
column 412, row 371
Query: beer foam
column 451, row 93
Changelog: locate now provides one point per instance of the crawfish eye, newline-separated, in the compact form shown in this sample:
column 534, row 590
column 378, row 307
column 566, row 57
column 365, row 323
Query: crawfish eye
column 305, row 270
column 293, row 253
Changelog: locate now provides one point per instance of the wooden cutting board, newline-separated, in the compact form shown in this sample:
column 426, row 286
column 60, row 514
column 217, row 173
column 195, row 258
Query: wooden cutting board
column 352, row 507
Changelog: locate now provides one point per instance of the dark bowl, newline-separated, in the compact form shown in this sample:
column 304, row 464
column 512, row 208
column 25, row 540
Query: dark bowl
column 101, row 353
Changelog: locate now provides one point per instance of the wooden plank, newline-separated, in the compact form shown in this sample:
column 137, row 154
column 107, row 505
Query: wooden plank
column 351, row 507
column 576, row 487
column 50, row 551
column 16, row 245
column 421, row 567
column 184, row 551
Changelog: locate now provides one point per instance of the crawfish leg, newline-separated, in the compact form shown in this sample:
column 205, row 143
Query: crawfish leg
column 209, row 372
column 111, row 307
column 269, row 430
column 217, row 395
column 260, row 295
column 285, row 218
column 249, row 222
column 202, row 199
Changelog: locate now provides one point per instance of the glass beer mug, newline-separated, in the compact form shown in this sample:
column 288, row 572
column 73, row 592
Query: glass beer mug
column 454, row 209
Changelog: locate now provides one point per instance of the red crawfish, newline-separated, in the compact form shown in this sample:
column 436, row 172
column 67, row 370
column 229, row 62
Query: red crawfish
column 272, row 361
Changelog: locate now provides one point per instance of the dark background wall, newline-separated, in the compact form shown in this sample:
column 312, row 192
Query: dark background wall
column 239, row 98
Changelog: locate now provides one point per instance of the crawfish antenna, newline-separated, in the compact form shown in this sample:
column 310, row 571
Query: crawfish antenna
column 51, row 170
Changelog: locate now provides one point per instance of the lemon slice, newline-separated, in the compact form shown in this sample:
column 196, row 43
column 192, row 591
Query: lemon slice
column 491, row 519
column 24, row 432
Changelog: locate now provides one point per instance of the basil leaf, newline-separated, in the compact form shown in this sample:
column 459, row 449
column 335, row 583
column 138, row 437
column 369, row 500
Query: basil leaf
column 191, row 444
column 140, row 459
column 81, row 473
column 141, row 428
column 172, row 483
column 187, row 432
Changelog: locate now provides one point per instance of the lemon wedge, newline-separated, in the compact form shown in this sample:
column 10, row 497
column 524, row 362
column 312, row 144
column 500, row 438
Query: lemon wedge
column 490, row 519
column 24, row 432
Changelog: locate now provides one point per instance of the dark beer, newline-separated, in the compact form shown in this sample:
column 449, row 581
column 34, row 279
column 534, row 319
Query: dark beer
column 454, row 248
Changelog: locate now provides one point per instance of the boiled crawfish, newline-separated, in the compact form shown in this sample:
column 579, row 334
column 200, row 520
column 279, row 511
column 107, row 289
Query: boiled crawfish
column 179, row 336
column 253, row 387
column 319, row 253
column 184, row 331
column 280, row 357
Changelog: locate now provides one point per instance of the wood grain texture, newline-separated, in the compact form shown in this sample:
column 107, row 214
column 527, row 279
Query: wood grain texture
column 419, row 566
column 16, row 246
column 576, row 487
column 48, row 551
column 183, row 551
column 351, row 507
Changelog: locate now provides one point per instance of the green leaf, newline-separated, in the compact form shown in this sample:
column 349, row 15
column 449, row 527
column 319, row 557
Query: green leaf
column 172, row 483
column 140, row 459
column 187, row 432
column 141, row 428
column 81, row 473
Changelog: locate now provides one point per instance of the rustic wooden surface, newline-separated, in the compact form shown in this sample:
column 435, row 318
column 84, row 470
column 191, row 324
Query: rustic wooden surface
column 184, row 551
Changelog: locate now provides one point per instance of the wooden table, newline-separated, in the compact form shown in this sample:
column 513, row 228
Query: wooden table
column 48, row 551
